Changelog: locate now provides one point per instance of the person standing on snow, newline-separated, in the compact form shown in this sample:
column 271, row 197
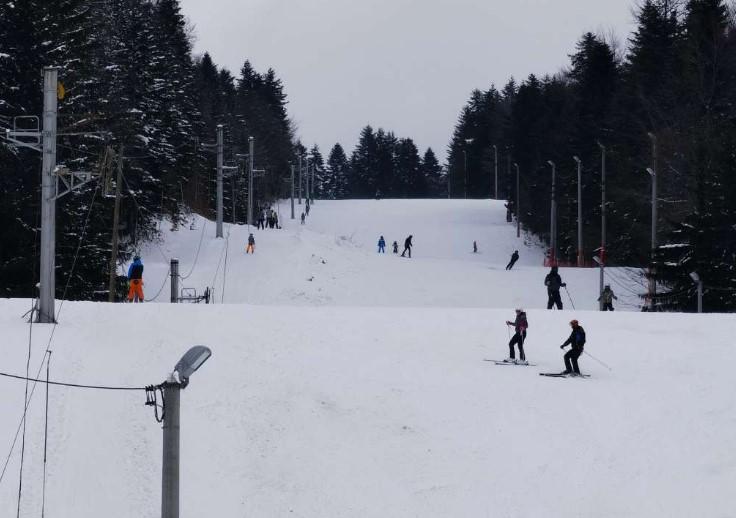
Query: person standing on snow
column 520, row 327
column 577, row 341
column 396, row 247
column 251, row 248
column 303, row 216
column 135, row 277
column 407, row 246
column 514, row 258
column 607, row 297
column 381, row 245
column 553, row 281
column 475, row 247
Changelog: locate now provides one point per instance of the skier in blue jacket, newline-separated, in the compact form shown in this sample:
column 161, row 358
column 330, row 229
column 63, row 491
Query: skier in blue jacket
column 381, row 245
column 135, row 277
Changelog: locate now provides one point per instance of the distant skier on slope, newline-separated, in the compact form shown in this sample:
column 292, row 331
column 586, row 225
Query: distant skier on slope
column 395, row 247
column 520, row 326
column 607, row 297
column 381, row 245
column 475, row 247
column 251, row 248
column 407, row 246
column 514, row 258
column 577, row 341
column 135, row 277
column 303, row 216
column 553, row 281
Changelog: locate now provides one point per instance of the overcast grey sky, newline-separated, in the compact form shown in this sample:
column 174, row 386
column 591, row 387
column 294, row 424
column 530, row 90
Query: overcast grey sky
column 404, row 65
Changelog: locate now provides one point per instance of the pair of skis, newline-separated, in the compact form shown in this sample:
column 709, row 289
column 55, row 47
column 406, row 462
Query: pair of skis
column 547, row 374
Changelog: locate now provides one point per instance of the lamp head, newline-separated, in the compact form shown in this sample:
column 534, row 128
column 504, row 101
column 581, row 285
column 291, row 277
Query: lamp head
column 190, row 362
column 550, row 162
column 695, row 277
column 651, row 171
column 576, row 159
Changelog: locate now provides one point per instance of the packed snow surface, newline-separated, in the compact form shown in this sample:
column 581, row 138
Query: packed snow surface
column 344, row 384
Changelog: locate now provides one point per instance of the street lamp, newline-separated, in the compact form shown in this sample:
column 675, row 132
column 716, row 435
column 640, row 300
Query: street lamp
column 468, row 141
column 652, row 283
column 495, row 169
column 518, row 202
column 602, row 254
column 553, row 219
column 653, row 173
column 179, row 379
column 581, row 259
column 699, row 283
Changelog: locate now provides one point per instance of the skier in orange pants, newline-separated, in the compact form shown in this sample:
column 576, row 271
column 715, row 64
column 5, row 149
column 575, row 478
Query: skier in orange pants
column 251, row 248
column 135, row 276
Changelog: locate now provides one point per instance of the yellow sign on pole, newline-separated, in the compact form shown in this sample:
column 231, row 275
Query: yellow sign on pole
column 60, row 91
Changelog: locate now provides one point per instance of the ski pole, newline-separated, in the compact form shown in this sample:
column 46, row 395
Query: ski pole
column 569, row 297
column 596, row 359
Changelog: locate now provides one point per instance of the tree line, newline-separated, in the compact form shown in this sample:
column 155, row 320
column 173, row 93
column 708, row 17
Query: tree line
column 668, row 103
column 381, row 165
column 131, row 80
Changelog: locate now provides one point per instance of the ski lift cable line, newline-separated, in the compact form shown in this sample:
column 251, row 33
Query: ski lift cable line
column 166, row 278
column 196, row 256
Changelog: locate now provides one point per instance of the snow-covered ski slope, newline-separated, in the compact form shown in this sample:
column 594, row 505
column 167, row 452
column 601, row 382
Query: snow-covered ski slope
column 332, row 260
column 374, row 402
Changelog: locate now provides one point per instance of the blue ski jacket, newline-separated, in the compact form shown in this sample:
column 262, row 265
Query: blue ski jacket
column 135, row 270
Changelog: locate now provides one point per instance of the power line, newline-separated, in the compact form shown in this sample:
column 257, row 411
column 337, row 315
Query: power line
column 66, row 384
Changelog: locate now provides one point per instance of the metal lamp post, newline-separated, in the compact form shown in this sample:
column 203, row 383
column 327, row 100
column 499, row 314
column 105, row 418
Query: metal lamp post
column 495, row 169
column 581, row 259
column 653, row 173
column 179, row 379
column 602, row 261
column 699, row 283
column 468, row 141
column 553, row 218
column 518, row 203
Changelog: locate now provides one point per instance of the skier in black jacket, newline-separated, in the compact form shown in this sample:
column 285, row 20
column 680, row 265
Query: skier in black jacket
column 553, row 281
column 577, row 341
column 407, row 246
column 514, row 258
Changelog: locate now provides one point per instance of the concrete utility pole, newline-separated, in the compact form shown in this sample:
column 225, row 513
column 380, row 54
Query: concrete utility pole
column 292, row 191
column 553, row 220
column 115, row 227
column 172, row 387
column 48, row 198
column 218, row 232
column 170, row 467
column 174, row 272
column 299, row 186
column 518, row 203
column 602, row 262
column 495, row 169
column 653, row 173
column 251, row 154
column 581, row 258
